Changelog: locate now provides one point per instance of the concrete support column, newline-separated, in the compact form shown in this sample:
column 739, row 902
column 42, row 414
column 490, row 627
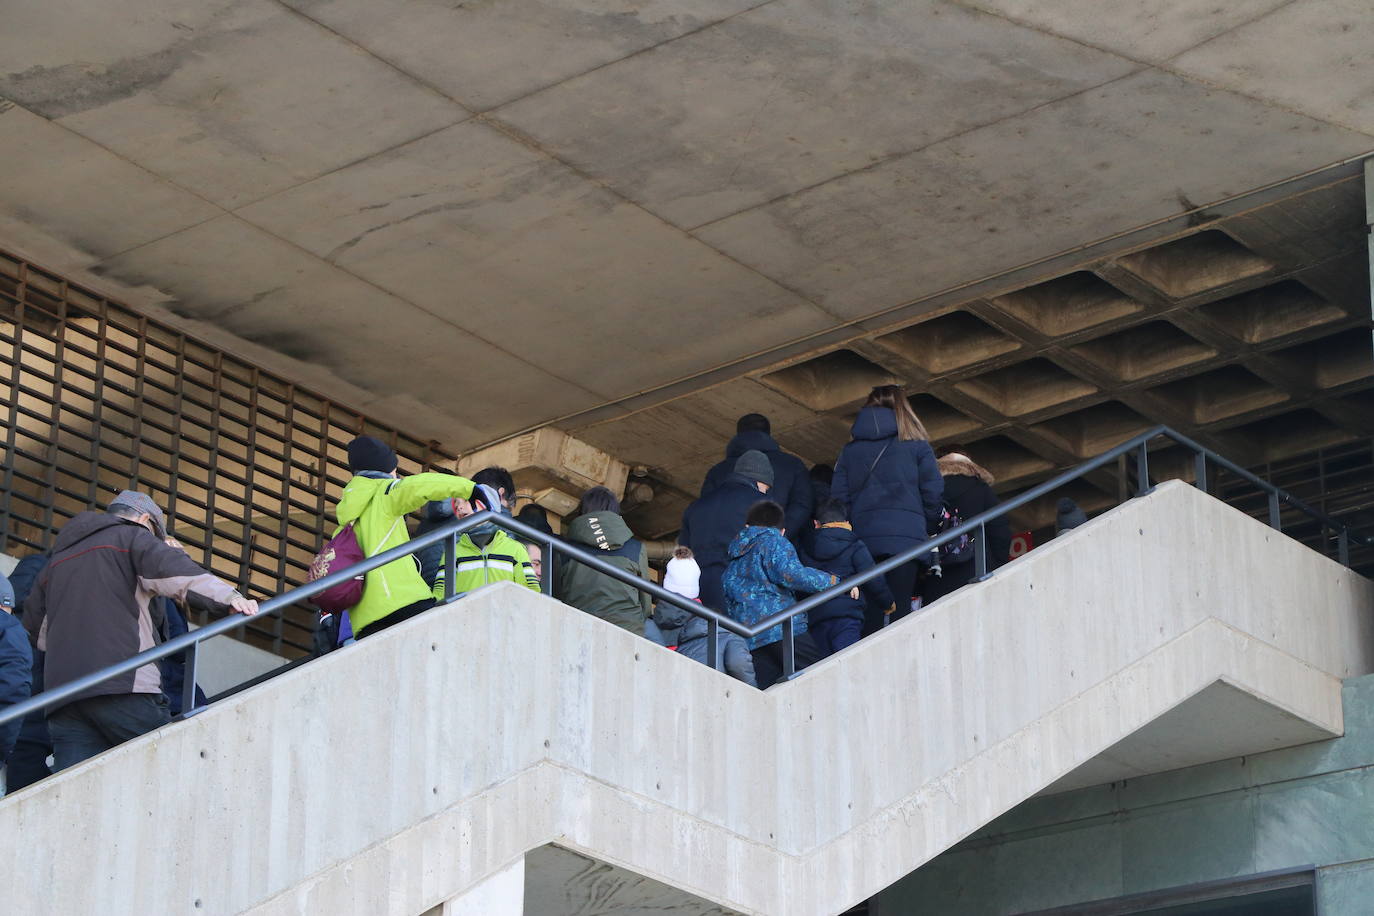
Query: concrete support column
column 503, row 894
column 551, row 468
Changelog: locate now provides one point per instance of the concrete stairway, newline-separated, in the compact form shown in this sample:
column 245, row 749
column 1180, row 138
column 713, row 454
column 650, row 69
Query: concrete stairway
column 419, row 769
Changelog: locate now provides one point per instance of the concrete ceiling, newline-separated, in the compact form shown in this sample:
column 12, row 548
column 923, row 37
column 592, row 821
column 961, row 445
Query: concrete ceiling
column 560, row 882
column 478, row 217
column 1248, row 331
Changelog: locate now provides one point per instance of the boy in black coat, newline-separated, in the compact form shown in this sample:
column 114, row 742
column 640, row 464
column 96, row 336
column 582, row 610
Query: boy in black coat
column 833, row 547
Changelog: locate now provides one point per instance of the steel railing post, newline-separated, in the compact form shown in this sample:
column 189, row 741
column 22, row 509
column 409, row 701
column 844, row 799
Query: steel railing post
column 980, row 554
column 1274, row 511
column 450, row 566
column 1200, row 471
column 1142, row 469
column 1343, row 546
column 789, row 649
column 713, row 644
column 188, row 683
column 546, row 567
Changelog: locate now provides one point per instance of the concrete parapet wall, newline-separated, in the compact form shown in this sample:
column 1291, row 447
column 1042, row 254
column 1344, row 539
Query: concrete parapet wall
column 395, row 775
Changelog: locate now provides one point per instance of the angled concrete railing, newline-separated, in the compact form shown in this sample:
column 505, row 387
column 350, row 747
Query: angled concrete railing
column 397, row 774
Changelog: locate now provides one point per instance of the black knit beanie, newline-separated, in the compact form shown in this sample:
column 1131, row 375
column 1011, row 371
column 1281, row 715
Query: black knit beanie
column 1068, row 514
column 368, row 453
column 754, row 465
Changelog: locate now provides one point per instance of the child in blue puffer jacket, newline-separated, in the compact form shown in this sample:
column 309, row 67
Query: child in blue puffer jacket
column 763, row 578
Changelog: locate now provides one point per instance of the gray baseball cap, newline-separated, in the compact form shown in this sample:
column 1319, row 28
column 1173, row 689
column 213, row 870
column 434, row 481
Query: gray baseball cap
column 141, row 503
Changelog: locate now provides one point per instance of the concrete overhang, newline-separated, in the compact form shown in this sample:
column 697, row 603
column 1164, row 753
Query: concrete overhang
column 1219, row 722
column 473, row 219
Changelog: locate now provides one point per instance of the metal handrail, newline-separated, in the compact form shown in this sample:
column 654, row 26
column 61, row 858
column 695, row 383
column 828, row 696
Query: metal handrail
column 189, row 643
column 1137, row 445
column 449, row 534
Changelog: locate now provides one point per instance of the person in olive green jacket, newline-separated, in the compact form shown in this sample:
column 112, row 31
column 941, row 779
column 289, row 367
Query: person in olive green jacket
column 598, row 526
column 378, row 501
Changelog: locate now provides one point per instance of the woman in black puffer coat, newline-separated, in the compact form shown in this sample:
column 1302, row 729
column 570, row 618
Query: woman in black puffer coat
column 968, row 491
column 888, row 481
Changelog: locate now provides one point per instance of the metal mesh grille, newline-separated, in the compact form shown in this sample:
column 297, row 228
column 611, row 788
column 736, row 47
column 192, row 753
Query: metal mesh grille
column 95, row 399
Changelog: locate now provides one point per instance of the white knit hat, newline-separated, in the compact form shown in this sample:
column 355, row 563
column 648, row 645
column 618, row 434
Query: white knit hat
column 683, row 575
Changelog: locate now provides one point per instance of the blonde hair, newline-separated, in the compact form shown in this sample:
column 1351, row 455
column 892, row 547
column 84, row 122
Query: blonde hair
column 909, row 426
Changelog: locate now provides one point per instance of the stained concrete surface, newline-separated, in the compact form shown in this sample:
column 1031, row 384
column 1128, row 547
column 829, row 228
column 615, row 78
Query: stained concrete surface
column 851, row 157
column 794, row 94
column 852, row 241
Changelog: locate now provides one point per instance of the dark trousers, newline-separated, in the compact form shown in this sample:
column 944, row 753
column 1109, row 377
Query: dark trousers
column 88, row 727
column 768, row 659
column 835, row 634
column 28, row 761
column 400, row 615
column 902, row 582
column 953, row 576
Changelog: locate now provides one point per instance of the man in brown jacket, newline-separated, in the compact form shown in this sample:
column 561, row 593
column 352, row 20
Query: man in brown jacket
column 95, row 604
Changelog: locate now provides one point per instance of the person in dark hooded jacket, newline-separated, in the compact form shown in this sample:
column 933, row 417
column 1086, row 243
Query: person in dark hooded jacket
column 821, row 477
column 791, row 485
column 599, row 526
column 1068, row 515
column 173, row 667
column 968, row 492
column 16, row 669
column 431, row 559
column 711, row 522
column 890, row 486
column 833, row 547
column 28, row 762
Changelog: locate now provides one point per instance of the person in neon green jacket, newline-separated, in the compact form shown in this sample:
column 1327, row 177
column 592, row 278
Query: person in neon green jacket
column 485, row 554
column 378, row 501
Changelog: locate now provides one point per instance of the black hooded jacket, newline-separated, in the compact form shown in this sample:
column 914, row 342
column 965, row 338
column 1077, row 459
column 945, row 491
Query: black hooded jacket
column 891, row 487
column 791, row 483
column 837, row 550
column 708, row 527
column 968, row 490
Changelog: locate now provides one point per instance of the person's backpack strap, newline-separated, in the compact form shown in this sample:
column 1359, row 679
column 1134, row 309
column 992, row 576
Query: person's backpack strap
column 874, row 466
column 344, row 550
column 390, row 531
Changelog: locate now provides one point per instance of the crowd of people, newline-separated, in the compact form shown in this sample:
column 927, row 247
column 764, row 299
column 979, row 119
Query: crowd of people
column 764, row 531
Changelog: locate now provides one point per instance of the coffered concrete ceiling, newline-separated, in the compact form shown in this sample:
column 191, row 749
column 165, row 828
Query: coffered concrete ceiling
column 475, row 218
column 1249, row 332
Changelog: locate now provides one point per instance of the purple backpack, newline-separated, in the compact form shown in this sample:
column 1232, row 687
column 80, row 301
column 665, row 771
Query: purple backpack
column 339, row 552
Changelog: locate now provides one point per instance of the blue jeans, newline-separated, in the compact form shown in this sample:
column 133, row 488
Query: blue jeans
column 835, row 634
column 92, row 726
